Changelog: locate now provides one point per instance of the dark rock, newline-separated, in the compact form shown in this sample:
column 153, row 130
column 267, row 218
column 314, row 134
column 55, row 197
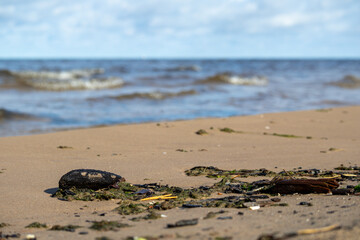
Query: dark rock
column 240, row 213
column 305, row 204
column 90, row 179
column 276, row 199
column 183, row 223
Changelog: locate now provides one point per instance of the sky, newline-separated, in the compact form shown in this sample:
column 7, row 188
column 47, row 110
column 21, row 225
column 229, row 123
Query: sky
column 180, row 29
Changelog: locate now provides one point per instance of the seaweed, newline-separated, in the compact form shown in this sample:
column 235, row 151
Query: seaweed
column 68, row 228
column 214, row 172
column 283, row 135
column 181, row 150
column 213, row 214
column 201, row 132
column 357, row 188
column 64, row 147
column 107, row 225
column 227, row 130
column 4, row 225
column 152, row 215
column 103, row 238
column 36, row 225
column 129, row 208
column 123, row 190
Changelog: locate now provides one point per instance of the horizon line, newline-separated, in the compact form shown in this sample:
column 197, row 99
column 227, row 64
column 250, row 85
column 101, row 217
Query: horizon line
column 179, row 58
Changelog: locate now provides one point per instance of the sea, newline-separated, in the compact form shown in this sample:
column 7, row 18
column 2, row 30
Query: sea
column 47, row 95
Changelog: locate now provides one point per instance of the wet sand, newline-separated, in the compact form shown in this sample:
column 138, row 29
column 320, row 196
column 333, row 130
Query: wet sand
column 31, row 167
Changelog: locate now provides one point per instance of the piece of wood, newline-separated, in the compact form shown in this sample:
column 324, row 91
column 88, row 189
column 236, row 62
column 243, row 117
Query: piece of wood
column 303, row 186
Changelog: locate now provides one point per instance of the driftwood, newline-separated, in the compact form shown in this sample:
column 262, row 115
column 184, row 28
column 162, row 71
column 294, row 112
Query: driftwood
column 303, row 186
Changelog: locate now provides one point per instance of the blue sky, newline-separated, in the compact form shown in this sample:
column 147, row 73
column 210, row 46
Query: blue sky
column 179, row 28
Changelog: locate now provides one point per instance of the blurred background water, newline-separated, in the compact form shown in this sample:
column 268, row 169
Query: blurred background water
column 47, row 95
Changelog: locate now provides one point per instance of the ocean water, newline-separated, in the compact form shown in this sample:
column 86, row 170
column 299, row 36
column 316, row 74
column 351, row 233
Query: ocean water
column 39, row 96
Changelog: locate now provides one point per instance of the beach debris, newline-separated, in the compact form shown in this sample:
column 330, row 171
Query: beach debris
column 306, row 204
column 103, row 238
column 129, row 208
column 183, row 223
column 342, row 191
column 187, row 205
column 299, row 233
column 227, row 130
column 68, row 228
column 163, row 197
column 214, row 172
column 152, row 215
column 181, row 150
column 6, row 236
column 4, row 225
column 201, row 132
column 64, row 147
column 36, row 225
column 225, row 218
column 30, row 237
column 107, row 225
column 89, row 179
column 256, row 207
column 214, row 214
column 304, row 186
column 282, row 135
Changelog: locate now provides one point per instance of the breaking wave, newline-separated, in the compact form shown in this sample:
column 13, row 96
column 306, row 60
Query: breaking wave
column 348, row 81
column 157, row 95
column 235, row 79
column 10, row 115
column 88, row 79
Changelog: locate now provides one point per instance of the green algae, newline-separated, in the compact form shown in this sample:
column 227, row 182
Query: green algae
column 214, row 172
column 210, row 215
column 227, row 130
column 103, row 238
column 4, row 225
column 283, row 135
column 181, row 150
column 107, row 225
column 201, row 132
column 130, row 208
column 36, row 225
column 152, row 215
column 68, row 228
column 123, row 190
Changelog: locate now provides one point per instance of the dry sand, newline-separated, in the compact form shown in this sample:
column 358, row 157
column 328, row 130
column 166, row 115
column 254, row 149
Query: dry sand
column 31, row 167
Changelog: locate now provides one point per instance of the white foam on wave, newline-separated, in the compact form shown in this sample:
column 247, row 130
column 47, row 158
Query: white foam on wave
column 67, row 80
column 237, row 80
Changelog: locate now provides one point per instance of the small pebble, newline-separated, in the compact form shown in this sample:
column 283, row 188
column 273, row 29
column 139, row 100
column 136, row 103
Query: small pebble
column 305, row 204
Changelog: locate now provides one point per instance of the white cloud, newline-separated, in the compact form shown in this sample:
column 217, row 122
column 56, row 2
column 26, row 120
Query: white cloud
column 177, row 20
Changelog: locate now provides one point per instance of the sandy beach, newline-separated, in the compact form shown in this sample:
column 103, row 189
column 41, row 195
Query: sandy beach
column 31, row 166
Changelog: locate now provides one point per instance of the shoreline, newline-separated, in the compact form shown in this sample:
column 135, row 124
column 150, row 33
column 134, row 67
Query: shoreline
column 31, row 166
